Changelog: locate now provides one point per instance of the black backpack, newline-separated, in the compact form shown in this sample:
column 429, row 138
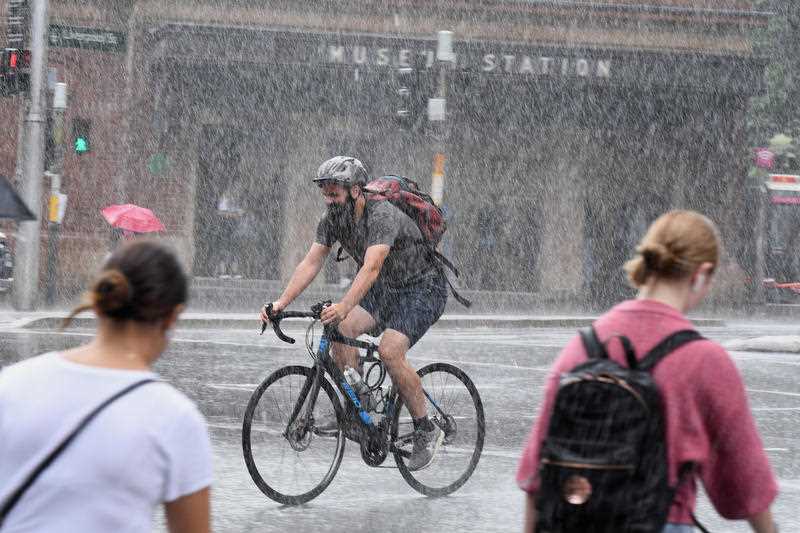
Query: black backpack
column 603, row 463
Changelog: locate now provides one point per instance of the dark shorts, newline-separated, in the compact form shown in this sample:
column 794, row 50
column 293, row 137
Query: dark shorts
column 411, row 309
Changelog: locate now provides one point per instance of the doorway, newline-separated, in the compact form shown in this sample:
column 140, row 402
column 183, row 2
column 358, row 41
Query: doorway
column 238, row 206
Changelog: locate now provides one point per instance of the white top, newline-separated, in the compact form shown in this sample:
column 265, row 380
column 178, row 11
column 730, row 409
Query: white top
column 147, row 447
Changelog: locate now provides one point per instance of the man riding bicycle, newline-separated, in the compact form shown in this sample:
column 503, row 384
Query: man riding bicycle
column 399, row 291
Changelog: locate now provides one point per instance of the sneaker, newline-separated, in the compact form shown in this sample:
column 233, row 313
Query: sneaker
column 426, row 445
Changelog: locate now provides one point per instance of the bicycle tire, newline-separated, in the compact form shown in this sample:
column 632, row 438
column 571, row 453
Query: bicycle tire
column 275, row 415
column 467, row 442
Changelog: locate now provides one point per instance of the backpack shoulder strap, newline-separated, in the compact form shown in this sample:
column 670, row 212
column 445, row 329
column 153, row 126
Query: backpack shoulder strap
column 594, row 349
column 463, row 301
column 685, row 472
column 667, row 346
column 446, row 262
column 17, row 494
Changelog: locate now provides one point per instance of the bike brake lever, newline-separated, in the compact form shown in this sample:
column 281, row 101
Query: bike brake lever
column 268, row 309
column 275, row 326
column 317, row 308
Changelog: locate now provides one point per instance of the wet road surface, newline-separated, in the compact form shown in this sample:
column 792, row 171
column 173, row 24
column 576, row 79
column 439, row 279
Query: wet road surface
column 219, row 370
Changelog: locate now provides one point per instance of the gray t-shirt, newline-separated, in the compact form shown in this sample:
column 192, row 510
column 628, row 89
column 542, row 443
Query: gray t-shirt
column 383, row 223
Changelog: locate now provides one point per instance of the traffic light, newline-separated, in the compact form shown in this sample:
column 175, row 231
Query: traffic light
column 80, row 136
column 406, row 82
column 9, row 69
column 24, row 73
column 410, row 93
column 410, row 89
column 15, row 70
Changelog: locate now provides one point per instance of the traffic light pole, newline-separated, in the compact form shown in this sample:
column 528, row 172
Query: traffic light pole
column 26, row 267
column 55, row 174
column 437, row 114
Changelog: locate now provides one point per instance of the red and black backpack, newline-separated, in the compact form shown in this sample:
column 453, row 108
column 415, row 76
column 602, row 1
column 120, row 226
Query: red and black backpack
column 405, row 194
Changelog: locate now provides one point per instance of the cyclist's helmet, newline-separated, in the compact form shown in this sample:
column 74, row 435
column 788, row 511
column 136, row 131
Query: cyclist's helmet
column 342, row 169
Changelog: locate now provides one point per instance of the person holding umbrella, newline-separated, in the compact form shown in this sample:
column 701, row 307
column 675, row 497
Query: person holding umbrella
column 129, row 220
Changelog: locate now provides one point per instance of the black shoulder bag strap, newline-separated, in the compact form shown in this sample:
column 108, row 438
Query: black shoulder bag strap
column 17, row 494
column 667, row 346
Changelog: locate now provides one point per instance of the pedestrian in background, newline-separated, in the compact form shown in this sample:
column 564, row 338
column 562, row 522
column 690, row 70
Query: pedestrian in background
column 147, row 447
column 707, row 417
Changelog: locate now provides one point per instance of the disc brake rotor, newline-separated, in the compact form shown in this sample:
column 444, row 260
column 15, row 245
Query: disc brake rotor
column 299, row 437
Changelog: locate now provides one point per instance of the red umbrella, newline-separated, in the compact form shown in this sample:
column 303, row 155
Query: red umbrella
column 132, row 218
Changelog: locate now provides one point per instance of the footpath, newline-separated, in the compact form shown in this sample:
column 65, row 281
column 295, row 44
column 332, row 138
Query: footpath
column 51, row 320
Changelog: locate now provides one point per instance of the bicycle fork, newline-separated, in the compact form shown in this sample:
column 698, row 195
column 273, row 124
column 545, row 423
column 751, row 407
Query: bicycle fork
column 311, row 386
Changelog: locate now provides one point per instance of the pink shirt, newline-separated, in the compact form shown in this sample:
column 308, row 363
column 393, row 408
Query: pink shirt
column 708, row 420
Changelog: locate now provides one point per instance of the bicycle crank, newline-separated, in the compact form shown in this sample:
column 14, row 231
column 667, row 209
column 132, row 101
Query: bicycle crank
column 374, row 451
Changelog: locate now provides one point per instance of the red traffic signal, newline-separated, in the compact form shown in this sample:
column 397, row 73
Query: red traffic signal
column 15, row 67
column 11, row 62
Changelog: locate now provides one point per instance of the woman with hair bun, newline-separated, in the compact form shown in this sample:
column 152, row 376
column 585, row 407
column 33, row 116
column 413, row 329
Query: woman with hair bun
column 147, row 447
column 707, row 417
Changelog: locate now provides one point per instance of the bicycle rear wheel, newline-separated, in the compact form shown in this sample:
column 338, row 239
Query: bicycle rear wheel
column 453, row 403
column 294, row 466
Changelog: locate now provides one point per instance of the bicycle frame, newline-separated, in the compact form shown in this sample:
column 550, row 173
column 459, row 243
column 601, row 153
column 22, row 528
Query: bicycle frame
column 324, row 363
column 386, row 429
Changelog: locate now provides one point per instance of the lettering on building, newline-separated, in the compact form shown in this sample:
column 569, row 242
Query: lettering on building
column 494, row 63
column 382, row 57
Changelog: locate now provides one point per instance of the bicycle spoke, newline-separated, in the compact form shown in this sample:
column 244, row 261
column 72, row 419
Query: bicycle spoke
column 290, row 463
column 459, row 411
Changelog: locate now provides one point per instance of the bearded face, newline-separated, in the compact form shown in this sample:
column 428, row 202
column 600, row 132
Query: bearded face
column 342, row 215
column 341, row 205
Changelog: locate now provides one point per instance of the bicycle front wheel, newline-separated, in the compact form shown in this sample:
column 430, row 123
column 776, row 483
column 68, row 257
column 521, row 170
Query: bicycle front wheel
column 291, row 464
column 453, row 403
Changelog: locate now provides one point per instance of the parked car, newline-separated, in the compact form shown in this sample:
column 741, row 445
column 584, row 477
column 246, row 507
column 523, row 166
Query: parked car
column 6, row 258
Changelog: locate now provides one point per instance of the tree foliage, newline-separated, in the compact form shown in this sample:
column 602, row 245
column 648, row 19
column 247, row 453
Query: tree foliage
column 774, row 116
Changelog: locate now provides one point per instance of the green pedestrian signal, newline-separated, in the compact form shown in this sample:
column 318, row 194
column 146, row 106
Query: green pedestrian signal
column 81, row 145
column 80, row 135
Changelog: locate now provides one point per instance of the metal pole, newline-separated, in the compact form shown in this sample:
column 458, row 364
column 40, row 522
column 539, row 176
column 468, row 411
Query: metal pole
column 437, row 113
column 121, row 180
column 54, row 173
column 760, row 266
column 26, row 268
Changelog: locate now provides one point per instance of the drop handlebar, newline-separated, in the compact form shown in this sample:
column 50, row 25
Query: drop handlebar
column 275, row 318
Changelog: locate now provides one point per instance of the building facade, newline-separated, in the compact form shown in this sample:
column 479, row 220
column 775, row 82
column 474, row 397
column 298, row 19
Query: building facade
column 571, row 126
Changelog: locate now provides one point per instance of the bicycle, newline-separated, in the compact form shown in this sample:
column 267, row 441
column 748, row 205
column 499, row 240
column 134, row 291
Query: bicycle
column 292, row 461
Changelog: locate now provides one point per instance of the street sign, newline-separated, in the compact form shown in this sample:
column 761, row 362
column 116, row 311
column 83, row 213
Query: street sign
column 57, row 207
column 16, row 23
column 87, row 38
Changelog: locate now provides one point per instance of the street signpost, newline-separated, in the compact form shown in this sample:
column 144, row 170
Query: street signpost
column 26, row 268
column 58, row 200
column 86, row 38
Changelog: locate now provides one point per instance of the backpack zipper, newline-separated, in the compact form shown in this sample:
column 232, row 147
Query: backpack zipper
column 587, row 466
column 611, row 380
